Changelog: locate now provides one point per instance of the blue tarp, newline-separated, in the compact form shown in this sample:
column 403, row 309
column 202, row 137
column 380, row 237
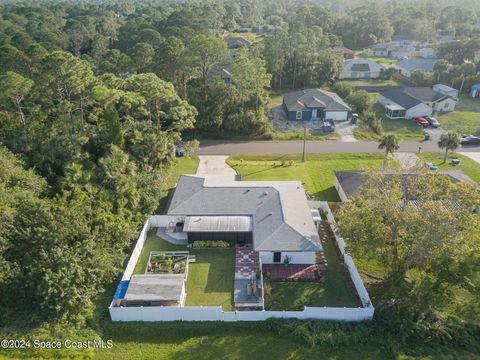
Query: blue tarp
column 121, row 289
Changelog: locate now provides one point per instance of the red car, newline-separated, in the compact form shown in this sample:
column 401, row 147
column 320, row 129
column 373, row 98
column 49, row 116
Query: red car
column 421, row 121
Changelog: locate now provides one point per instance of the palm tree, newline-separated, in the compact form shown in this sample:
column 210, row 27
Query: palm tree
column 391, row 144
column 450, row 142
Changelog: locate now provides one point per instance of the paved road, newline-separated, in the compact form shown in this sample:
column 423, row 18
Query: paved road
column 294, row 147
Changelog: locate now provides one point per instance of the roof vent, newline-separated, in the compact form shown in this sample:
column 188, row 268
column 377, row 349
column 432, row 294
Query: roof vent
column 265, row 193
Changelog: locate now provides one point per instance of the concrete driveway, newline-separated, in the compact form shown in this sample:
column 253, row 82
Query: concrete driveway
column 475, row 156
column 214, row 165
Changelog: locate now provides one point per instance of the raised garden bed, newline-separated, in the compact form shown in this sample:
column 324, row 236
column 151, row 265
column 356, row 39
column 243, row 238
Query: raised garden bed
column 167, row 262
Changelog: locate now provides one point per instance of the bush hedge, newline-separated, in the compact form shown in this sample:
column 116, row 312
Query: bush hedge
column 211, row 244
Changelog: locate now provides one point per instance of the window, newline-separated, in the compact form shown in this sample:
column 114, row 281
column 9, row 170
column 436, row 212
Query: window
column 299, row 115
column 446, row 105
column 277, row 257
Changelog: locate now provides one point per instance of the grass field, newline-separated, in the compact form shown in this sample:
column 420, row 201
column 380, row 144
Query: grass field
column 405, row 129
column 467, row 165
column 210, row 277
column 371, row 82
column 183, row 165
column 317, row 172
column 466, row 117
column 335, row 291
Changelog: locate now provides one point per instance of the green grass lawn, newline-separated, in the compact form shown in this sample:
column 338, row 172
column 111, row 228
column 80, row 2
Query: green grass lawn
column 405, row 129
column 317, row 172
column 210, row 277
column 466, row 117
column 467, row 165
column 183, row 165
column 370, row 82
column 335, row 291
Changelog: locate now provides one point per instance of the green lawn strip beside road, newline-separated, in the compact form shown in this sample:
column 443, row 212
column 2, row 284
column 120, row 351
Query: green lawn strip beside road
column 210, row 277
column 467, row 165
column 465, row 119
column 317, row 173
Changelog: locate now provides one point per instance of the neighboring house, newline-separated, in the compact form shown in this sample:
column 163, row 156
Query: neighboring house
column 237, row 42
column 272, row 217
column 409, row 66
column 409, row 102
column 223, row 72
column 380, row 50
column 352, row 183
column 360, row 69
column 427, row 53
column 315, row 104
column 347, row 53
column 446, row 90
column 403, row 52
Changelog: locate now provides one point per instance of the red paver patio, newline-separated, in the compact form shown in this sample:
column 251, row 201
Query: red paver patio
column 247, row 262
column 292, row 271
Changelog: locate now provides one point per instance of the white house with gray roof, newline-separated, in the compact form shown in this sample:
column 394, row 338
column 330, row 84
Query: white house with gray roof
column 360, row 69
column 409, row 102
column 273, row 216
column 409, row 66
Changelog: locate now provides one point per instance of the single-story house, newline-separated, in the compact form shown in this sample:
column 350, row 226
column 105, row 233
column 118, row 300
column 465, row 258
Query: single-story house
column 351, row 183
column 223, row 72
column 446, row 90
column 427, row 53
column 237, row 42
column 347, row 53
column 403, row 52
column 360, row 69
column 315, row 104
column 408, row 102
column 409, row 66
column 273, row 217
column 380, row 50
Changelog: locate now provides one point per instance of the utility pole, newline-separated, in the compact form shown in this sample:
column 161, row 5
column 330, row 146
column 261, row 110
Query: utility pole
column 304, row 140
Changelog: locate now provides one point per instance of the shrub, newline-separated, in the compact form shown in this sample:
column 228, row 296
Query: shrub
column 343, row 89
column 210, row 244
column 360, row 101
column 371, row 120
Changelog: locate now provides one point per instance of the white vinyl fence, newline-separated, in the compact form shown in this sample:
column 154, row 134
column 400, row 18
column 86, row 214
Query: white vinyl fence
column 214, row 313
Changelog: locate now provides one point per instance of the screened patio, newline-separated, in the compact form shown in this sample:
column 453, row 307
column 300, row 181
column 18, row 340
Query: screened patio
column 395, row 112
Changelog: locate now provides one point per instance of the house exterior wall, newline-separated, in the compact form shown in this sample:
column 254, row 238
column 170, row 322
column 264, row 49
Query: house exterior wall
column 446, row 105
column 419, row 110
column 336, row 115
column 296, row 257
column 340, row 191
column 348, row 74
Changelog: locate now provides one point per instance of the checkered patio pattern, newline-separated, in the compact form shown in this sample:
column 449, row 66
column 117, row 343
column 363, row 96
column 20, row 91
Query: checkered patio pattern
column 292, row 271
column 247, row 262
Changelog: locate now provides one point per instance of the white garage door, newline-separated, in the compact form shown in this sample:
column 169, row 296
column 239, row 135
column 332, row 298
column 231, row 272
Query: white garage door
column 336, row 115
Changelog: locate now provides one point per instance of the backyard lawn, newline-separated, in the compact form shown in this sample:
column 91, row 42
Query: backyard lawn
column 465, row 119
column 467, row 165
column 335, row 291
column 317, row 172
column 210, row 277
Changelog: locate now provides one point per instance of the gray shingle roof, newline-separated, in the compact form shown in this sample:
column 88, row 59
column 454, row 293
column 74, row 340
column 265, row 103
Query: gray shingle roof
column 409, row 97
column 314, row 98
column 412, row 65
column 236, row 42
column 281, row 217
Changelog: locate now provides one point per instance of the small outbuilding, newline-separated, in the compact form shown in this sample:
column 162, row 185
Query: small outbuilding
column 475, row 91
